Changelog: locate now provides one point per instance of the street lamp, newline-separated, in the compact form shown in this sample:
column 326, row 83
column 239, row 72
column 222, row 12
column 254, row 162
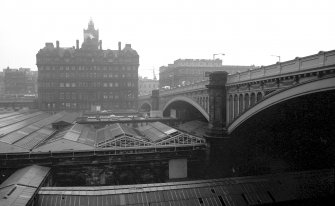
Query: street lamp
column 217, row 54
column 276, row 56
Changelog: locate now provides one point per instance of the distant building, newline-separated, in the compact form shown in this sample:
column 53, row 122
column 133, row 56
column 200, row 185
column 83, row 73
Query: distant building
column 2, row 83
column 19, row 81
column 188, row 71
column 89, row 77
column 145, row 85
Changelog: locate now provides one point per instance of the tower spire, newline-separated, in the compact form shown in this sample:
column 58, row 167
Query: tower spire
column 91, row 24
column 153, row 71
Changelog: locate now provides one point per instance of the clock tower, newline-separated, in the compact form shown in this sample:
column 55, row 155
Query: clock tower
column 91, row 37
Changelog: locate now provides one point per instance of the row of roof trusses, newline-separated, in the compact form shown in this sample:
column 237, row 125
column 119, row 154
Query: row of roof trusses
column 131, row 139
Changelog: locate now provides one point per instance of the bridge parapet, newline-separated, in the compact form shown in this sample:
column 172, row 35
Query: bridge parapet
column 295, row 65
column 186, row 88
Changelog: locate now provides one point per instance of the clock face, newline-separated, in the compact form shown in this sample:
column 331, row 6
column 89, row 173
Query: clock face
column 88, row 36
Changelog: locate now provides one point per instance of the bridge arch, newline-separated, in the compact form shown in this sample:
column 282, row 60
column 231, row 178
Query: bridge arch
column 146, row 105
column 305, row 88
column 190, row 101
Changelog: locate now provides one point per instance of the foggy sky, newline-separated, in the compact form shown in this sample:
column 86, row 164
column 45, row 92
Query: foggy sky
column 248, row 32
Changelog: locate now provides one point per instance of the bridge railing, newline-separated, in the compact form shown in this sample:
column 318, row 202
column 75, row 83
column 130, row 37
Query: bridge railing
column 185, row 88
column 181, row 89
column 295, row 65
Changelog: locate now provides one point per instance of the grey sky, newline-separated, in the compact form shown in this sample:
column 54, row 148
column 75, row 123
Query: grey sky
column 248, row 32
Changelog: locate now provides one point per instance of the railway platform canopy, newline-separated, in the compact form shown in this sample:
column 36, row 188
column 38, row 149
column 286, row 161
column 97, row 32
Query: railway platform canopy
column 294, row 188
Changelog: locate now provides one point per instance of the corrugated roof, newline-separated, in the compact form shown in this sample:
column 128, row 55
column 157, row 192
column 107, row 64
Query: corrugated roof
column 255, row 190
column 196, row 128
column 20, row 187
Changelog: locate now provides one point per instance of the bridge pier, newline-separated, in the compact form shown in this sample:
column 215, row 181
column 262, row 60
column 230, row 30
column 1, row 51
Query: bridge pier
column 220, row 160
column 155, row 112
column 217, row 105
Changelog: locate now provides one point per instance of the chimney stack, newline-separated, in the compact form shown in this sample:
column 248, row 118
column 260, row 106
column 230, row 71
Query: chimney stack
column 100, row 44
column 119, row 46
column 77, row 44
column 57, row 44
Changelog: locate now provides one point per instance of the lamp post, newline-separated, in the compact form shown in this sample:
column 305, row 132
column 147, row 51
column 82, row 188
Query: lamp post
column 217, row 54
column 276, row 56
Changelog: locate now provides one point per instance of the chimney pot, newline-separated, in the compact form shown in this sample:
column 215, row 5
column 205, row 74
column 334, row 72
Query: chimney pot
column 119, row 46
column 57, row 44
column 77, row 44
column 100, row 44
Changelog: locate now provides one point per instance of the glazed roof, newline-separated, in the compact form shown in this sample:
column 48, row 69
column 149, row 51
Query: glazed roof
column 33, row 132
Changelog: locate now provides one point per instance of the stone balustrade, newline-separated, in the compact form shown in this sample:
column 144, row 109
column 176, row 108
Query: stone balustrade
column 295, row 65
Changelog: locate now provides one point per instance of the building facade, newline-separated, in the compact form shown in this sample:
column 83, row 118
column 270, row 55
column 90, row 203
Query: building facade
column 145, row 85
column 87, row 77
column 20, row 81
column 188, row 71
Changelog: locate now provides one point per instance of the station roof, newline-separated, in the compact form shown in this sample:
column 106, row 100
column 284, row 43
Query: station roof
column 20, row 187
column 24, row 131
column 256, row 190
column 37, row 131
column 196, row 127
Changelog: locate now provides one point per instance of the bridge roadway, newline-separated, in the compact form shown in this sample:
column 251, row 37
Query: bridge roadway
column 244, row 94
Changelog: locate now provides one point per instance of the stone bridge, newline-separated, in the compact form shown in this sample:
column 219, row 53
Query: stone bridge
column 227, row 101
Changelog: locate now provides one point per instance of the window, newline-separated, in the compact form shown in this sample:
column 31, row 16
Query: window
column 116, row 84
column 73, row 84
column 105, row 84
column 110, row 84
column 61, row 84
column 67, row 85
